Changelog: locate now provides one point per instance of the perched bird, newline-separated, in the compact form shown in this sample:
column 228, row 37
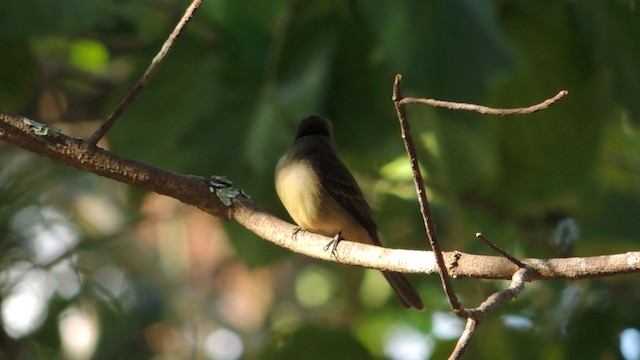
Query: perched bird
column 322, row 196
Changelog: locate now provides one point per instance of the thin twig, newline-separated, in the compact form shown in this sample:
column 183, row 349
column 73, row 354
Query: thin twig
column 485, row 109
column 146, row 77
column 422, row 197
column 518, row 280
column 501, row 251
column 465, row 339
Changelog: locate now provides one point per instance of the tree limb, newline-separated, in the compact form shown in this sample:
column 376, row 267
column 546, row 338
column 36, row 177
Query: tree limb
column 195, row 190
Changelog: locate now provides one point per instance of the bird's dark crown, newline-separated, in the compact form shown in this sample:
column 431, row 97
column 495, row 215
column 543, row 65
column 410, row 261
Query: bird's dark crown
column 314, row 125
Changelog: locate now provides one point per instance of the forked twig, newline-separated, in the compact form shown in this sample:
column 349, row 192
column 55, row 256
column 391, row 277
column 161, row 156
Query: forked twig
column 146, row 77
column 515, row 288
column 473, row 316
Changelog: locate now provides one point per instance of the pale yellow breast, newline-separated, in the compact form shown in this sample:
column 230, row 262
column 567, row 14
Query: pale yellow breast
column 302, row 194
column 299, row 189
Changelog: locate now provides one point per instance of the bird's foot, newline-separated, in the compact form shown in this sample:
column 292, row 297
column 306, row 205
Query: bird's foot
column 296, row 231
column 333, row 244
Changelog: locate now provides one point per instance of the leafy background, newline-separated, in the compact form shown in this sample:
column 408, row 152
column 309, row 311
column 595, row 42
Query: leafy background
column 94, row 269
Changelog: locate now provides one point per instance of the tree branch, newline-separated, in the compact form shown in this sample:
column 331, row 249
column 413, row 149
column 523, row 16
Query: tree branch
column 427, row 219
column 195, row 190
column 146, row 77
column 485, row 109
column 500, row 251
column 515, row 288
column 473, row 316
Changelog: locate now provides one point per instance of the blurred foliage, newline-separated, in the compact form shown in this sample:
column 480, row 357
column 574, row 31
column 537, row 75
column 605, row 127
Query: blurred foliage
column 151, row 278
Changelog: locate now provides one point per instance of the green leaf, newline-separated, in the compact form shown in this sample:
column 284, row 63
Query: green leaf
column 89, row 55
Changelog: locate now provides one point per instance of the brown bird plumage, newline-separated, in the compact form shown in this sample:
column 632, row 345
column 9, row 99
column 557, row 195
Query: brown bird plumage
column 322, row 196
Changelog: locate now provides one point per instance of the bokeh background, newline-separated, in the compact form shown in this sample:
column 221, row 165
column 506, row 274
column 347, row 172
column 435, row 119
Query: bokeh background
column 91, row 268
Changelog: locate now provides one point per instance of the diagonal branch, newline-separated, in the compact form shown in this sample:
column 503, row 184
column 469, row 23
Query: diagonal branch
column 429, row 225
column 500, row 250
column 146, row 77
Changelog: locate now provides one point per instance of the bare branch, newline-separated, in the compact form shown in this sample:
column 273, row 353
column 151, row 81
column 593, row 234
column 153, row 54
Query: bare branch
column 427, row 219
column 500, row 250
column 484, row 109
column 473, row 316
column 146, row 77
column 465, row 339
column 194, row 190
column 476, row 315
column 515, row 288
column 42, row 140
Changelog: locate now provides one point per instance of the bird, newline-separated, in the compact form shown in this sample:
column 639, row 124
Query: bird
column 322, row 196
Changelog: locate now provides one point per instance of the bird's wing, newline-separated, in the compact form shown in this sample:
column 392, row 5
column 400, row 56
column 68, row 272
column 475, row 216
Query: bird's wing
column 343, row 188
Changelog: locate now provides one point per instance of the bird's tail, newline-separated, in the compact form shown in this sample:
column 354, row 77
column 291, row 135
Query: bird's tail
column 405, row 292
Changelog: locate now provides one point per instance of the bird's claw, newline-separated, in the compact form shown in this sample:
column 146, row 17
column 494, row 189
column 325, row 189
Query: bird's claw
column 333, row 244
column 296, row 231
